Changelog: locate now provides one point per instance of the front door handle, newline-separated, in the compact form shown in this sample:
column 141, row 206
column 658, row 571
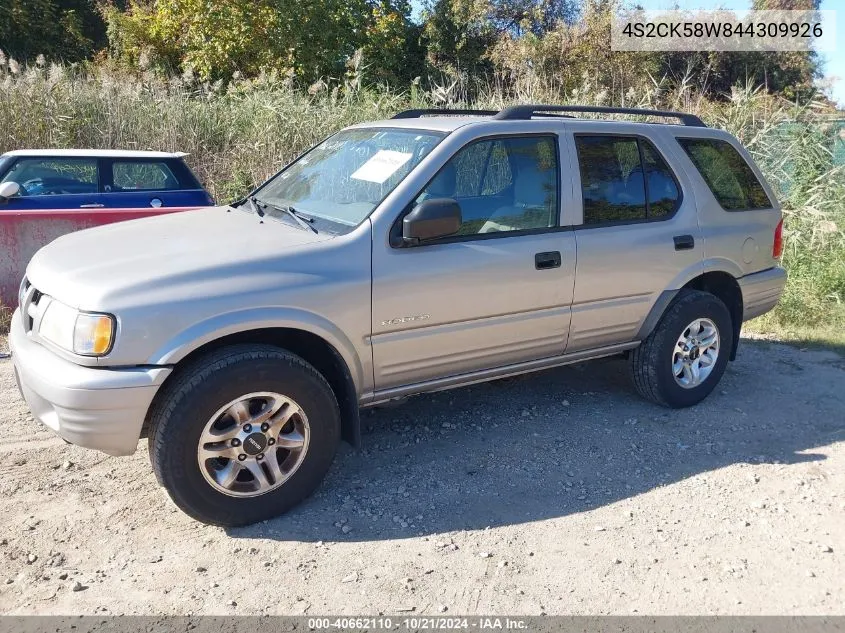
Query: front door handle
column 684, row 242
column 93, row 205
column 544, row 261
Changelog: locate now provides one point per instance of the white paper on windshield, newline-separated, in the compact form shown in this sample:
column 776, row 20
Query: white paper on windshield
column 381, row 166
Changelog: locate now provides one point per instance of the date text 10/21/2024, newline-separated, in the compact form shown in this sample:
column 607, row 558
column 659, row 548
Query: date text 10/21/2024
column 420, row 623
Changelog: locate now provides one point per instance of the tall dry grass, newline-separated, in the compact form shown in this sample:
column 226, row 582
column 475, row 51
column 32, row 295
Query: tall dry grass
column 5, row 317
column 240, row 133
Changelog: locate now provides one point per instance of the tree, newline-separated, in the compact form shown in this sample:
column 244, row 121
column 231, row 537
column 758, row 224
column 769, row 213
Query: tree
column 537, row 17
column 458, row 34
column 574, row 56
column 791, row 74
column 302, row 40
column 461, row 34
column 390, row 45
column 67, row 30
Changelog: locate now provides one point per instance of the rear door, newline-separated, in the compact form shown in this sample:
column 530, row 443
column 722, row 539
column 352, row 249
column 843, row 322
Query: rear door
column 639, row 232
column 145, row 186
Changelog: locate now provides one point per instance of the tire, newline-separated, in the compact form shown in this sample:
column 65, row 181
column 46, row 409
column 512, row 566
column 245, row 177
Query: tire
column 202, row 392
column 652, row 362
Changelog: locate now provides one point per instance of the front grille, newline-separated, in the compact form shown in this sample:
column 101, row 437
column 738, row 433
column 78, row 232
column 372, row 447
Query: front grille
column 22, row 291
column 29, row 305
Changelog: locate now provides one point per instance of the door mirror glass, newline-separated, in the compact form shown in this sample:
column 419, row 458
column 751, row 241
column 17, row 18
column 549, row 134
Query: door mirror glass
column 437, row 217
column 9, row 189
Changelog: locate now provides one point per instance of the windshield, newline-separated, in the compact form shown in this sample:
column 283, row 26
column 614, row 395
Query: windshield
column 345, row 177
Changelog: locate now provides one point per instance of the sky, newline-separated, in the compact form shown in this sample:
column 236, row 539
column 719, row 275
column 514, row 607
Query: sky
column 833, row 62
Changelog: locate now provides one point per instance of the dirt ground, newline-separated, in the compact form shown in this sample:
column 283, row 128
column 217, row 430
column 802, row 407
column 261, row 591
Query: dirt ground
column 560, row 493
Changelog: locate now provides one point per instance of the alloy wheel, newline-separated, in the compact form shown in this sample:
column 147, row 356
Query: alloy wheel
column 694, row 355
column 253, row 444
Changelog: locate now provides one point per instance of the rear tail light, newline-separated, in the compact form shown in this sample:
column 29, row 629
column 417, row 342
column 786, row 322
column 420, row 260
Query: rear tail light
column 777, row 246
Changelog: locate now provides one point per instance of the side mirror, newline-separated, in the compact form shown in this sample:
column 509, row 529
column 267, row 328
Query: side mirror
column 438, row 217
column 9, row 190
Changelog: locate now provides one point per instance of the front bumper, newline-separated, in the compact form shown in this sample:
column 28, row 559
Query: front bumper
column 99, row 408
column 761, row 291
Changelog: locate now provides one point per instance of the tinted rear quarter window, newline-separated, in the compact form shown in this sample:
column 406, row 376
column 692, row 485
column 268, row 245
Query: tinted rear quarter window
column 725, row 171
column 143, row 176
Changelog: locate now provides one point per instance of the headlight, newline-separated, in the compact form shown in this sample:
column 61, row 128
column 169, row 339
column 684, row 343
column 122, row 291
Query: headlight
column 84, row 333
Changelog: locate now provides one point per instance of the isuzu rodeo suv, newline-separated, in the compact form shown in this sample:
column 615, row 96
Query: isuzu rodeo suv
column 425, row 252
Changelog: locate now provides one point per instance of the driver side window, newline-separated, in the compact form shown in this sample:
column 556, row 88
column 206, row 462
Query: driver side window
column 54, row 176
column 501, row 185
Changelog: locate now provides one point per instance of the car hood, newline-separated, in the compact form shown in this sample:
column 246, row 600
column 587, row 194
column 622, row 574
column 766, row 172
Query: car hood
column 197, row 253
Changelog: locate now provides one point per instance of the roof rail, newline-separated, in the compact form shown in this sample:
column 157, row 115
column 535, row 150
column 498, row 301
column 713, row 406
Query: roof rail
column 527, row 111
column 416, row 114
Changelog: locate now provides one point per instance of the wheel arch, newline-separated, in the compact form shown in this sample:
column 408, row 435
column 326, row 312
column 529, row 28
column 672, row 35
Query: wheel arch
column 720, row 283
column 311, row 347
column 724, row 286
column 237, row 322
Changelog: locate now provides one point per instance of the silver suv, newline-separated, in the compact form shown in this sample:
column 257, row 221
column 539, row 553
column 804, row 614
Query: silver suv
column 425, row 252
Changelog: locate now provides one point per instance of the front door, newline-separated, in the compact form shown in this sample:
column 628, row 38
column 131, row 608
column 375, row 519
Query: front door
column 496, row 293
column 53, row 184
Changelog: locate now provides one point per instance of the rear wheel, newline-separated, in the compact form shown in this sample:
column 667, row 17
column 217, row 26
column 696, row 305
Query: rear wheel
column 244, row 434
column 683, row 359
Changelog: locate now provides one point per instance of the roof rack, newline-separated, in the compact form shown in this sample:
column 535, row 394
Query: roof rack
column 527, row 111
column 522, row 112
column 416, row 114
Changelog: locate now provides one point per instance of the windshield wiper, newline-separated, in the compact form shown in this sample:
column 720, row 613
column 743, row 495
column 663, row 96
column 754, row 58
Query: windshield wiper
column 255, row 206
column 303, row 220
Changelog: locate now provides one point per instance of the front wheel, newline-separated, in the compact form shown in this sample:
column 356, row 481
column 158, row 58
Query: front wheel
column 244, row 434
column 683, row 359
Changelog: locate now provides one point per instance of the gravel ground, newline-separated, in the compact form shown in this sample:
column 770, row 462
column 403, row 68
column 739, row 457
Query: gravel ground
column 559, row 493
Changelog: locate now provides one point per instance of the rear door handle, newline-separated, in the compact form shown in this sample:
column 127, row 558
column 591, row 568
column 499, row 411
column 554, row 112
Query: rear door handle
column 544, row 261
column 93, row 205
column 684, row 242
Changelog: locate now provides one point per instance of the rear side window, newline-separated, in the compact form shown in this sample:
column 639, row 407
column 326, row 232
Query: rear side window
column 624, row 179
column 143, row 176
column 725, row 171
